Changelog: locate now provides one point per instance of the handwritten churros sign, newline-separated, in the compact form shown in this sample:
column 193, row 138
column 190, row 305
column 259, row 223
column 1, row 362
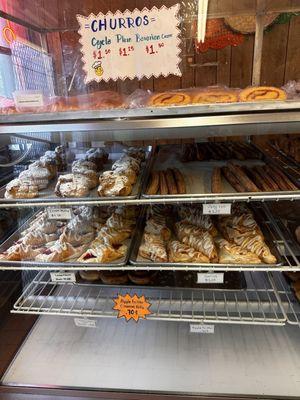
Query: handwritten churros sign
column 132, row 307
column 137, row 44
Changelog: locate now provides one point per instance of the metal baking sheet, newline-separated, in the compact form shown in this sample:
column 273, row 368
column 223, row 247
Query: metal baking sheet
column 49, row 195
column 137, row 260
column 178, row 279
column 198, row 174
column 72, row 265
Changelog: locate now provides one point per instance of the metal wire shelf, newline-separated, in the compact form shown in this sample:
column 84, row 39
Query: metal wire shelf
column 257, row 305
column 289, row 302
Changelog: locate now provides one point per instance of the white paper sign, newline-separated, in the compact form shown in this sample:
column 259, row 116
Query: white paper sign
column 217, row 209
column 85, row 322
column 59, row 213
column 137, row 44
column 210, row 277
column 202, row 328
column 29, row 99
column 63, row 277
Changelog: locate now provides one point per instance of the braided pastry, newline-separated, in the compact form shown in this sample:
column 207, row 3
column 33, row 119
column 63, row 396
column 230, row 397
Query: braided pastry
column 230, row 253
column 179, row 252
column 153, row 248
column 103, row 252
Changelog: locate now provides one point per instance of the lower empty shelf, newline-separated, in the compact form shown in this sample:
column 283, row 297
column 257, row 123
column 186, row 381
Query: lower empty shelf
column 258, row 304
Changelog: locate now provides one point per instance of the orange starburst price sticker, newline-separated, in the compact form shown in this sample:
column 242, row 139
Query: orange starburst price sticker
column 132, row 307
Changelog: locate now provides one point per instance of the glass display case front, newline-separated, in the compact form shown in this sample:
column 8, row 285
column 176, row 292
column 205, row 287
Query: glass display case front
column 149, row 199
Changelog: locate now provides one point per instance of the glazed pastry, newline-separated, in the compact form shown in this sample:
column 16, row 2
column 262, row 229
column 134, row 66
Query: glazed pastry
column 77, row 231
column 113, row 236
column 97, row 156
column 215, row 96
column 59, row 252
column 102, row 252
column 38, row 237
column 230, row 253
column 197, row 238
column 179, row 252
column 71, row 185
column 194, row 216
column 19, row 252
column 157, row 227
column 262, row 93
column 113, row 184
column 61, row 158
column 128, row 172
column 50, row 164
column 153, row 185
column 153, row 248
column 179, row 179
column 255, row 245
column 169, row 99
column 37, row 175
column 118, row 221
column 125, row 161
column 233, row 180
column 135, row 152
column 17, row 189
column 80, row 165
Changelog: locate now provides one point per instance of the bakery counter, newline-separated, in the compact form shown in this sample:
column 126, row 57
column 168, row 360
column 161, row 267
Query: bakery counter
column 253, row 301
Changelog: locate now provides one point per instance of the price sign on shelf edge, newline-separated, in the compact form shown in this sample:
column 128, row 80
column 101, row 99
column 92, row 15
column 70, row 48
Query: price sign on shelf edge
column 202, row 328
column 217, row 209
column 132, row 307
column 132, row 44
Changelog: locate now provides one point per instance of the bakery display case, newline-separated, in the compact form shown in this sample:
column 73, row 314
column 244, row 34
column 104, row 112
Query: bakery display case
column 149, row 199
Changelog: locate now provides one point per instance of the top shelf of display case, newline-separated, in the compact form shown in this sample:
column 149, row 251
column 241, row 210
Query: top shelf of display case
column 189, row 116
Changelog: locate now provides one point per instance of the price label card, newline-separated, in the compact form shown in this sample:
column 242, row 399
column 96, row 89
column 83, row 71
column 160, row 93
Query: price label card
column 132, row 307
column 210, row 277
column 23, row 99
column 217, row 209
column 132, row 44
column 59, row 213
column 202, row 328
column 63, row 277
column 85, row 322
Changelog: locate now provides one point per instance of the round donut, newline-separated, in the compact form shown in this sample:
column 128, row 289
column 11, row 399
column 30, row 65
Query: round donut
column 114, row 277
column 90, row 275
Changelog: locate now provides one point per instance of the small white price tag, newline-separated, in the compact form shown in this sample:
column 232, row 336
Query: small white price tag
column 29, row 99
column 60, row 277
column 210, row 277
column 217, row 209
column 202, row 328
column 59, row 213
column 85, row 322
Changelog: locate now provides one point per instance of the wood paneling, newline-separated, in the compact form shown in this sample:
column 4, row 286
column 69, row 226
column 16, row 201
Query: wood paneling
column 292, row 66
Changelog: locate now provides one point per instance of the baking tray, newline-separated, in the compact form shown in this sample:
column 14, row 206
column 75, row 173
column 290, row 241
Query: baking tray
column 49, row 195
column 137, row 260
column 63, row 265
column 180, row 280
column 198, row 175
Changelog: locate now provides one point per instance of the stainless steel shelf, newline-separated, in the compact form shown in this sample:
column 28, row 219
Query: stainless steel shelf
column 199, row 198
column 192, row 116
column 257, row 305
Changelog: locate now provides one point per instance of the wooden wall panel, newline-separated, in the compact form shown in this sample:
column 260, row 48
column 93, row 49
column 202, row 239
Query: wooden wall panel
column 274, row 55
column 292, row 66
column 241, row 63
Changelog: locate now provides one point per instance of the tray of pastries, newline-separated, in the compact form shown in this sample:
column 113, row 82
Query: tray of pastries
column 115, row 173
column 159, row 279
column 214, row 168
column 182, row 235
column 92, row 236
